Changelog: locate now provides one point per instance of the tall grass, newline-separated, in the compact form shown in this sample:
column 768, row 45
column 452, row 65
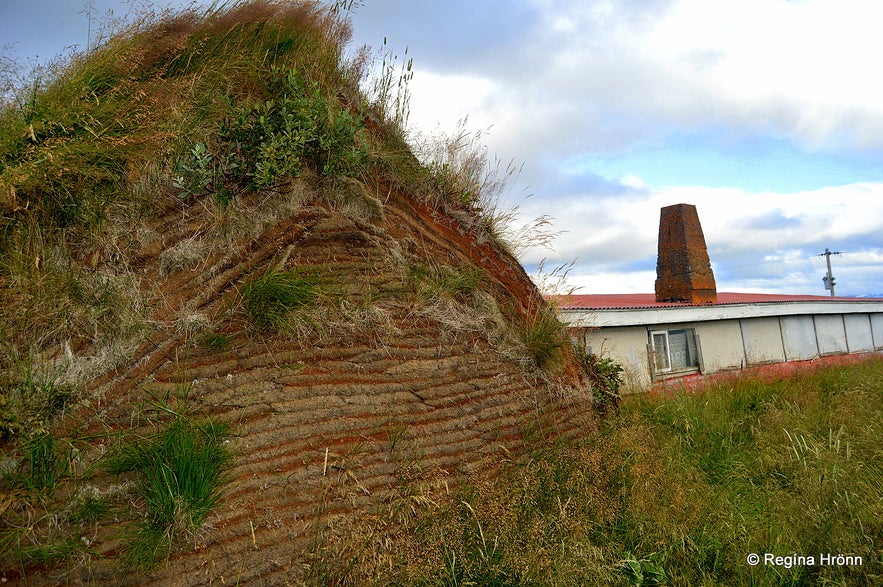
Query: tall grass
column 43, row 464
column 30, row 396
column 437, row 280
column 180, row 474
column 128, row 130
column 544, row 338
column 670, row 490
column 476, row 189
column 271, row 298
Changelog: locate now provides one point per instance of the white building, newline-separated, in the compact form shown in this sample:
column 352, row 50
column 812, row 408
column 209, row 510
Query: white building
column 659, row 341
column 687, row 329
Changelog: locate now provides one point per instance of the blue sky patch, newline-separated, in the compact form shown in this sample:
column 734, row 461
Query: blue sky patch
column 754, row 164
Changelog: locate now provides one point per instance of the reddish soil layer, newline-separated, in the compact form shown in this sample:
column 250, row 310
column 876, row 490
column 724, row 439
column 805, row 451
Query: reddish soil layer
column 330, row 422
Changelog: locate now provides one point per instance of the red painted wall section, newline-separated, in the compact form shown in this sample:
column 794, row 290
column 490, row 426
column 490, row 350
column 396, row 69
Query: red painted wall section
column 770, row 372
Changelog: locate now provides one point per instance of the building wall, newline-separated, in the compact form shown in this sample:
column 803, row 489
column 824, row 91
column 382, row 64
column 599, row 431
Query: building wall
column 762, row 338
column 859, row 338
column 877, row 330
column 799, row 337
column 830, row 334
column 720, row 343
column 739, row 343
column 627, row 346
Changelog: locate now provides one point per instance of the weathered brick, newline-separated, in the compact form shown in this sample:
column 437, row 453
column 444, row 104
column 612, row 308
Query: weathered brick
column 683, row 270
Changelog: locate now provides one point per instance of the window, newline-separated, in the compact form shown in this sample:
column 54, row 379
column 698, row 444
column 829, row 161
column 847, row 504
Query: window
column 674, row 350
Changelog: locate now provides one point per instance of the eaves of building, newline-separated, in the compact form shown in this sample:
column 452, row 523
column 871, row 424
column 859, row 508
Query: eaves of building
column 637, row 309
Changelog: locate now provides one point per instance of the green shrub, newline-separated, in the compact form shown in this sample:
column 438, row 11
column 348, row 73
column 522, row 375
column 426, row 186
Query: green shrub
column 605, row 377
column 203, row 172
column 272, row 139
column 277, row 136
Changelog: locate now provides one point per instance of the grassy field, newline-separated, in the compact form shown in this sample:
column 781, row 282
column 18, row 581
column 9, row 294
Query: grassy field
column 671, row 490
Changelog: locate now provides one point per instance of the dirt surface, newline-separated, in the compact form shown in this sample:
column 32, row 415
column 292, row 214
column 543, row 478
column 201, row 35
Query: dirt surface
column 378, row 385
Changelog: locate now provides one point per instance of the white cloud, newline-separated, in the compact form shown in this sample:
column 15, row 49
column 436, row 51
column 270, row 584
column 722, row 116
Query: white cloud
column 432, row 104
column 620, row 282
column 805, row 68
column 603, row 75
column 634, row 182
column 833, row 214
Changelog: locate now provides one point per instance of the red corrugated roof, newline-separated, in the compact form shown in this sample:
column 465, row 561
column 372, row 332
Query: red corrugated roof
column 648, row 300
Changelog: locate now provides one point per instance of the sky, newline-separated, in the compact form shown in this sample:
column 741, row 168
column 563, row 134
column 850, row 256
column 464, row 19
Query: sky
column 767, row 115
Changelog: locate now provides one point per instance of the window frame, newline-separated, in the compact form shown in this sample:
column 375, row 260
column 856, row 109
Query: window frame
column 667, row 355
column 694, row 353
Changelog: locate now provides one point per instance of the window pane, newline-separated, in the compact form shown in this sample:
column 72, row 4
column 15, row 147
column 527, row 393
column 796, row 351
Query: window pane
column 660, row 351
column 679, row 349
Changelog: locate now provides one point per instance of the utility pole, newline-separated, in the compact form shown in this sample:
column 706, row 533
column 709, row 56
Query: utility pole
column 829, row 278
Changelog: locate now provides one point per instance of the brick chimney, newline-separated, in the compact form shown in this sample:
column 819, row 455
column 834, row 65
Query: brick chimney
column 683, row 271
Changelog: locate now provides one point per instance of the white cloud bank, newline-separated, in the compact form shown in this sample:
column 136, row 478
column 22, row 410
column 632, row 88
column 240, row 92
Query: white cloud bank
column 603, row 78
column 619, row 72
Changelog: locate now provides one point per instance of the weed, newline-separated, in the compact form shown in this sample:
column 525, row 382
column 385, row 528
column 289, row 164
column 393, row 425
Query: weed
column 90, row 510
column 605, row 376
column 544, row 339
column 180, row 472
column 49, row 553
column 216, row 341
column 43, row 464
column 473, row 187
column 46, row 464
column 29, row 401
column 40, row 284
column 30, row 531
column 270, row 298
column 390, row 89
column 554, row 283
column 643, row 572
column 433, row 280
